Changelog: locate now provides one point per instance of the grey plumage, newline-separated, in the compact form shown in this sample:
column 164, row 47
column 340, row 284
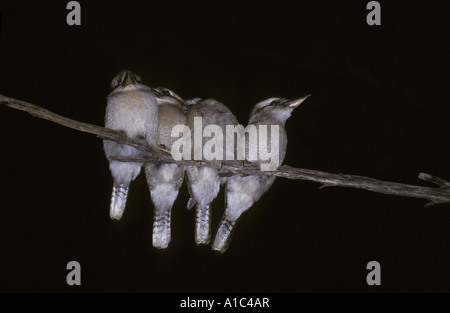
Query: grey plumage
column 243, row 191
column 131, row 108
column 164, row 180
column 204, row 182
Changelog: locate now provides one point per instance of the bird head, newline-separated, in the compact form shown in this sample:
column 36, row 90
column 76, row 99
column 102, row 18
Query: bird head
column 165, row 95
column 275, row 108
column 124, row 79
column 190, row 102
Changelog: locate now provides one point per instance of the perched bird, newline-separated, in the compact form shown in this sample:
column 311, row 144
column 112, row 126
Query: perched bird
column 164, row 180
column 243, row 191
column 132, row 109
column 204, row 182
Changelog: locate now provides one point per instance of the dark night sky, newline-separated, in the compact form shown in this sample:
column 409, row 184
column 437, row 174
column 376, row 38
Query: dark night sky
column 380, row 108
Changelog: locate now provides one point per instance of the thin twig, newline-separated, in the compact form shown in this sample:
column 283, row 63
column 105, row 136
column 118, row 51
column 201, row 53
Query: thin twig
column 435, row 195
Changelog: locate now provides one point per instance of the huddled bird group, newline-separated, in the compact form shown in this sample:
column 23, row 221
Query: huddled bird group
column 149, row 115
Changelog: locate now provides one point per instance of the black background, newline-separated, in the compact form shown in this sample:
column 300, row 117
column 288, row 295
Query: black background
column 380, row 108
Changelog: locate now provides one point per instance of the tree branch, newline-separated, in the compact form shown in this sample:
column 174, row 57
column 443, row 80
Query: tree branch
column 434, row 195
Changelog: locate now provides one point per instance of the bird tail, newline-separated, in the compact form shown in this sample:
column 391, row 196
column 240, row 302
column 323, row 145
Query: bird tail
column 223, row 235
column 161, row 229
column 203, row 225
column 118, row 201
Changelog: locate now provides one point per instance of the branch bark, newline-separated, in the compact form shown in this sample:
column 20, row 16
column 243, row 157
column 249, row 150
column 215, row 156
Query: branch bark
column 435, row 195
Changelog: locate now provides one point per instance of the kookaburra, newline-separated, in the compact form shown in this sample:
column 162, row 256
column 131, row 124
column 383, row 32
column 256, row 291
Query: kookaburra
column 204, row 182
column 243, row 191
column 132, row 109
column 164, row 180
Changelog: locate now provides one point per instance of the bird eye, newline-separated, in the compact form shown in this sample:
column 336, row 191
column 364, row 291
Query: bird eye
column 274, row 102
column 165, row 93
column 119, row 82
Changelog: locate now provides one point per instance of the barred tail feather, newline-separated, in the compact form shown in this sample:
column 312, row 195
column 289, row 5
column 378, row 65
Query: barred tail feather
column 223, row 235
column 161, row 229
column 118, row 201
column 203, row 225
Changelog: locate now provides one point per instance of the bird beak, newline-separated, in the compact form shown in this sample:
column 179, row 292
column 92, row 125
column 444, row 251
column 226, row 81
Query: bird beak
column 156, row 93
column 178, row 98
column 128, row 80
column 295, row 103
